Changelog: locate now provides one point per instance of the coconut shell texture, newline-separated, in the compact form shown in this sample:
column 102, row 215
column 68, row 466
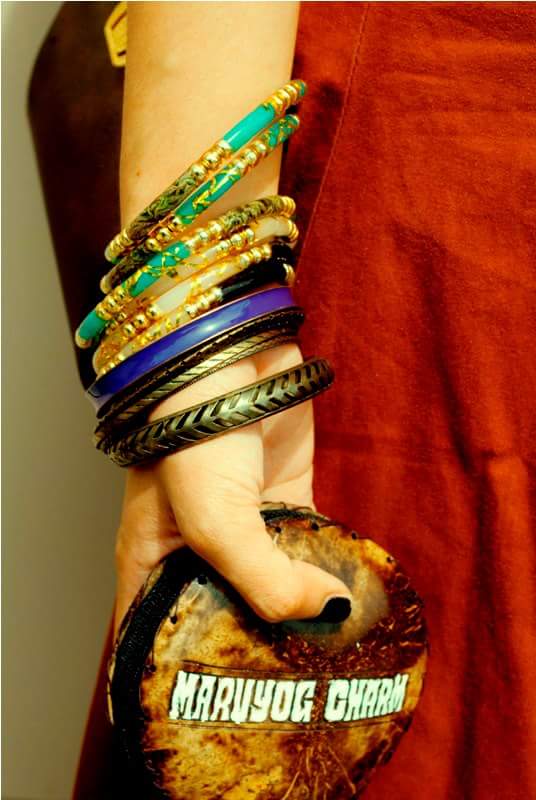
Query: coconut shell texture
column 212, row 702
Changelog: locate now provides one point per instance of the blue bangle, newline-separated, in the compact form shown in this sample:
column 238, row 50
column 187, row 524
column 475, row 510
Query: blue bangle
column 195, row 333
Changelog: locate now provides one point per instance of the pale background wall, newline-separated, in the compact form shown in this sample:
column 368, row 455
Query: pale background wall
column 61, row 498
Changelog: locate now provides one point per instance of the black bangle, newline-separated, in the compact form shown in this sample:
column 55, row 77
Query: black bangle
column 218, row 416
column 112, row 425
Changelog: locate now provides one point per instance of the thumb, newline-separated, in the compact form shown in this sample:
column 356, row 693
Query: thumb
column 215, row 490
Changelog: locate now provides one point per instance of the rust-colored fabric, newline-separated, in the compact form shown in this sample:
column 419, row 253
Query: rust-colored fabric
column 418, row 277
column 415, row 172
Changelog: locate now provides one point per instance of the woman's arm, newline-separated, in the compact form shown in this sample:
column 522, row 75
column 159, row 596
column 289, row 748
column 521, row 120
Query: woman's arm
column 193, row 69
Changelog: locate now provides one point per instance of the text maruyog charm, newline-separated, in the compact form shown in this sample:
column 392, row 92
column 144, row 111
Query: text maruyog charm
column 210, row 702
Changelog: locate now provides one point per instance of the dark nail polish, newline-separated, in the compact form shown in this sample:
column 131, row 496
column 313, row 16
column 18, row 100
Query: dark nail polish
column 336, row 610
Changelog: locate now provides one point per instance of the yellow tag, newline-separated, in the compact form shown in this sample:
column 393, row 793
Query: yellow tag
column 115, row 32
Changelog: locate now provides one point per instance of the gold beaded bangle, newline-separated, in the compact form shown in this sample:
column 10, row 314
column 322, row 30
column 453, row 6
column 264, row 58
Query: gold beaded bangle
column 211, row 266
column 198, row 239
column 181, row 293
column 146, row 330
column 279, row 101
column 186, row 213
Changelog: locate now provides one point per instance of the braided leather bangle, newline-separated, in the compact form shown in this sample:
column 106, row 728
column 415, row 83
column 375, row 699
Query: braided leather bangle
column 227, row 412
column 117, row 420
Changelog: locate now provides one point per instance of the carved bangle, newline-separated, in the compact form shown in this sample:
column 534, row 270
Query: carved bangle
column 222, row 414
column 231, row 142
column 113, row 423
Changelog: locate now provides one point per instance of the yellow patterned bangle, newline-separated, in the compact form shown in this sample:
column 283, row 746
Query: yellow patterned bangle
column 231, row 143
column 197, row 241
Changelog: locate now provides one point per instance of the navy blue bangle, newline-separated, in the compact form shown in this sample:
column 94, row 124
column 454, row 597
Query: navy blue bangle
column 195, row 333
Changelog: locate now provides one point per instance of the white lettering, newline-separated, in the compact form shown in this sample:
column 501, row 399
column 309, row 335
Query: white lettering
column 204, row 696
column 302, row 707
column 262, row 701
column 222, row 700
column 242, row 699
column 399, row 692
column 384, row 696
column 336, row 700
column 282, row 702
column 370, row 698
column 183, row 695
column 355, row 696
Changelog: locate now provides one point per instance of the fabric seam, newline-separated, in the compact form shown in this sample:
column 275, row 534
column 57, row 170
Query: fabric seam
column 353, row 66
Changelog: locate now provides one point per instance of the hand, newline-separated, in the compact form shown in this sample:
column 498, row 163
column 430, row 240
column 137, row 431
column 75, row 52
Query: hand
column 208, row 497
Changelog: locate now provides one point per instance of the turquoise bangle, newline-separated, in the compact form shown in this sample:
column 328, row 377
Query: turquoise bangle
column 255, row 122
column 171, row 225
column 95, row 323
column 230, row 143
column 219, row 184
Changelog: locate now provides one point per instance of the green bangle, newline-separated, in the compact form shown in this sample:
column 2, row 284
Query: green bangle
column 201, row 237
column 201, row 199
column 225, row 413
column 230, row 143
column 219, row 184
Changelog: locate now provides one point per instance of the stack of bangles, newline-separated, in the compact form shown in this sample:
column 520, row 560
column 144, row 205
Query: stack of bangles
column 181, row 303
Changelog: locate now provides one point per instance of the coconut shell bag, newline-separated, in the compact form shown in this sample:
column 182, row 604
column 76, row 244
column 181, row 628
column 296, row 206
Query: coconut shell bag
column 210, row 701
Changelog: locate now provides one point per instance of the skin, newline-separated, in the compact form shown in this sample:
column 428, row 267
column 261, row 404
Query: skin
column 193, row 69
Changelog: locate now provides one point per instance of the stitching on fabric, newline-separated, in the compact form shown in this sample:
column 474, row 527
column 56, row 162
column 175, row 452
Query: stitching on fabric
column 354, row 63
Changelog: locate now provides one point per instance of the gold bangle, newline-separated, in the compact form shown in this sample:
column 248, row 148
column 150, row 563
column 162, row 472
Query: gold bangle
column 147, row 328
column 199, row 239
column 202, row 271
column 202, row 168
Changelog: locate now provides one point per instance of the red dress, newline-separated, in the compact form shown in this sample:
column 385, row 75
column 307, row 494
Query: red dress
column 415, row 172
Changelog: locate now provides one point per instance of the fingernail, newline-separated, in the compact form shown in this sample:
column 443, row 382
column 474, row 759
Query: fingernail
column 336, row 610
